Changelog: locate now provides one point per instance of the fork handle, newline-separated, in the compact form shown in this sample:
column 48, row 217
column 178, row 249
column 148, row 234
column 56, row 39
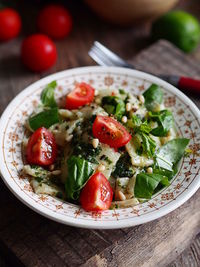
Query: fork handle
column 183, row 83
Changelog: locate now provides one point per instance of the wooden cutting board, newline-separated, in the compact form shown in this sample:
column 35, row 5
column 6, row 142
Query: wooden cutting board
column 30, row 239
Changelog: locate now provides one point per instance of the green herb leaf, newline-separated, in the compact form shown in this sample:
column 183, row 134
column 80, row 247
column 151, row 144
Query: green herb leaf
column 148, row 145
column 79, row 171
column 47, row 95
column 167, row 173
column 165, row 121
column 153, row 97
column 45, row 119
column 170, row 153
column 123, row 167
column 138, row 126
column 114, row 105
column 143, row 129
column 122, row 92
column 146, row 184
column 86, row 151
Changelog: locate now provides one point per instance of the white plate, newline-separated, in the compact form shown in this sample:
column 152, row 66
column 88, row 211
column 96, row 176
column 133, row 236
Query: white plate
column 182, row 187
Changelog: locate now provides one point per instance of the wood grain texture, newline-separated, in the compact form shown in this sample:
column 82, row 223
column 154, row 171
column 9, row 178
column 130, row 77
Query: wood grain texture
column 29, row 239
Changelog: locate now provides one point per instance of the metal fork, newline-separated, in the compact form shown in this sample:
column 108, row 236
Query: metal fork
column 105, row 57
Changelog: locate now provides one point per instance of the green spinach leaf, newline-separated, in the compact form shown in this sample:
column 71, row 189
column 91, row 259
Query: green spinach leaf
column 146, row 184
column 45, row 119
column 79, row 171
column 170, row 153
column 165, row 121
column 114, row 105
column 47, row 95
column 153, row 97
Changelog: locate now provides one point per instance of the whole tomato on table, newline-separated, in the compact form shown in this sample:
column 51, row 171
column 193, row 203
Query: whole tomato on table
column 55, row 21
column 10, row 24
column 38, row 52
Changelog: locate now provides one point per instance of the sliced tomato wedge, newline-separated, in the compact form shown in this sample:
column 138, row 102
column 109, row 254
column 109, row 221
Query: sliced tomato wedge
column 97, row 194
column 110, row 132
column 82, row 94
column 41, row 149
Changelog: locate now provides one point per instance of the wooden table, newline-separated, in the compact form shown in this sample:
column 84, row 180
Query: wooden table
column 72, row 53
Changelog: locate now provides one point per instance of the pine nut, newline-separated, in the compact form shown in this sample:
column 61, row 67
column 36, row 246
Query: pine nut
column 98, row 100
column 51, row 167
column 101, row 168
column 95, row 142
column 135, row 108
column 69, row 137
column 121, row 195
column 56, row 172
column 128, row 106
column 149, row 170
column 96, row 92
column 124, row 119
column 141, row 98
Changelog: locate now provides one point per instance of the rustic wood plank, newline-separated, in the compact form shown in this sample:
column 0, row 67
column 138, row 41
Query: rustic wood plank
column 190, row 256
column 155, row 243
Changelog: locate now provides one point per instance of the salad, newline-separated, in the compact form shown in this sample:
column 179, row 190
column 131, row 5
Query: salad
column 103, row 148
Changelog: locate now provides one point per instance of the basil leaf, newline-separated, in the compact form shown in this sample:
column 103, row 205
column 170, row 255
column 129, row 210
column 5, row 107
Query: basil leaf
column 167, row 173
column 153, row 97
column 122, row 92
column 79, row 171
column 148, row 145
column 47, row 95
column 165, row 121
column 138, row 126
column 143, row 129
column 146, row 184
column 123, row 167
column 45, row 119
column 114, row 105
column 170, row 153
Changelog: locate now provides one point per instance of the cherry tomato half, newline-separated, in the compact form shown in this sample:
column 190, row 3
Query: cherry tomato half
column 38, row 52
column 82, row 94
column 55, row 21
column 97, row 194
column 41, row 149
column 110, row 132
column 10, row 24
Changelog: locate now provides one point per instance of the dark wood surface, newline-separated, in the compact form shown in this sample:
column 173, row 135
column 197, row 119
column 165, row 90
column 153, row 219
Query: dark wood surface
column 29, row 239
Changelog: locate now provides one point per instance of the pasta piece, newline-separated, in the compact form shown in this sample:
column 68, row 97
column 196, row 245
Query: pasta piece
column 125, row 204
column 136, row 160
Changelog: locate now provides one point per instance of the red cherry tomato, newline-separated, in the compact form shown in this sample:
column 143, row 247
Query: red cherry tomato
column 110, row 132
column 41, row 148
column 55, row 21
column 82, row 94
column 97, row 194
column 38, row 52
column 10, row 24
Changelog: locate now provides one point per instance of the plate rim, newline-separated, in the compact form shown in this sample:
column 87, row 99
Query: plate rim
column 96, row 224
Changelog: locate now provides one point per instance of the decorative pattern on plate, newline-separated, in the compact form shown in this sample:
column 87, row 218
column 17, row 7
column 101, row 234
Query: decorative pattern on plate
column 181, row 188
